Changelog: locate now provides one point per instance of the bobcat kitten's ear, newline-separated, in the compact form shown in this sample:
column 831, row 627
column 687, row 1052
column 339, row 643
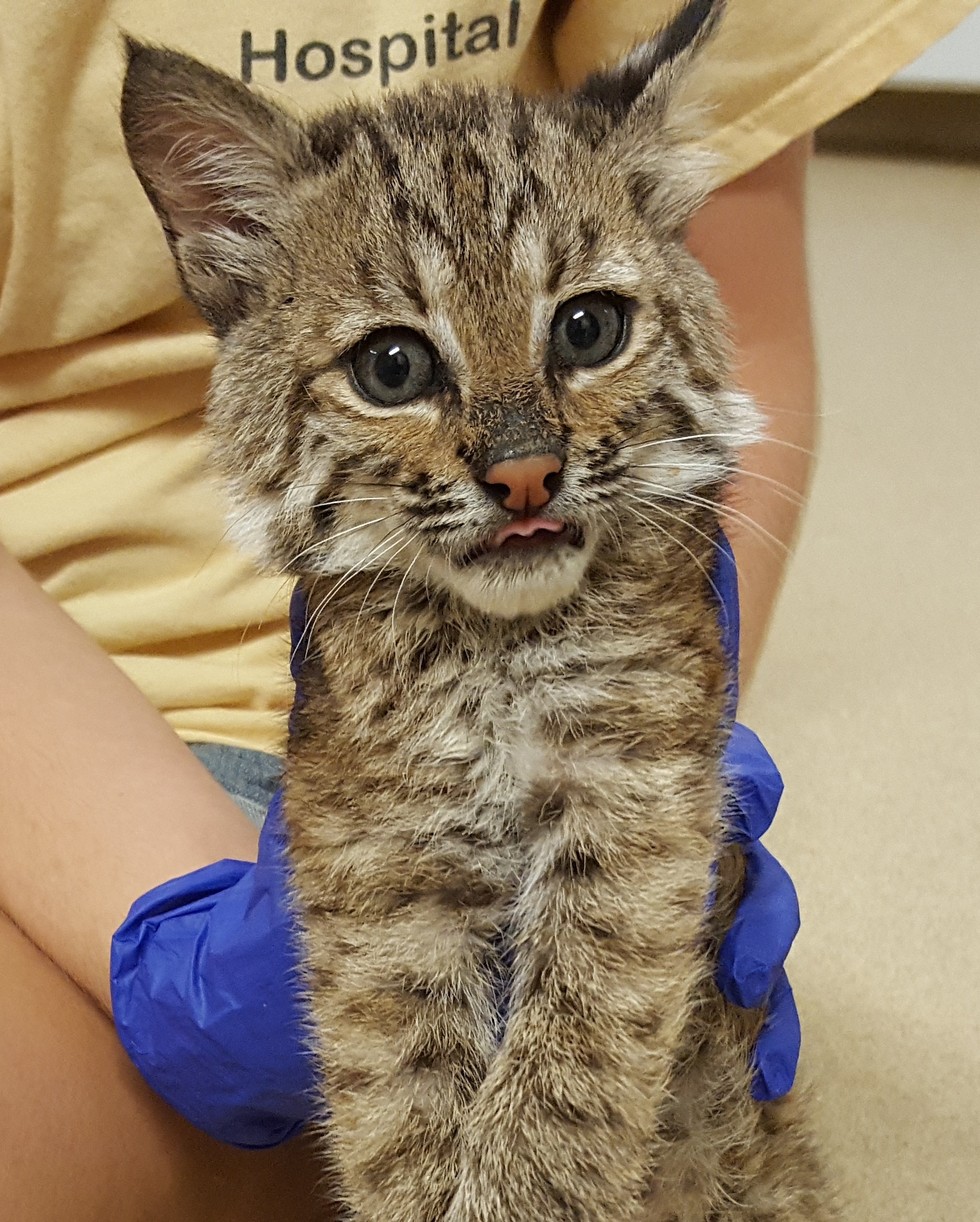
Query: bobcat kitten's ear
column 212, row 158
column 638, row 99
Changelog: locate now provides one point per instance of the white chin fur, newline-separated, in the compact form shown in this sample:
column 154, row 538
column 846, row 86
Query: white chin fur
column 525, row 590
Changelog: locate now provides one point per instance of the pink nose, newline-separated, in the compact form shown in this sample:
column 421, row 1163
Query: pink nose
column 524, row 481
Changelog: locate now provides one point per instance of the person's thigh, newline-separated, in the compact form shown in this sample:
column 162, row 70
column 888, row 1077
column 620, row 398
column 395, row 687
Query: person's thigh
column 83, row 1138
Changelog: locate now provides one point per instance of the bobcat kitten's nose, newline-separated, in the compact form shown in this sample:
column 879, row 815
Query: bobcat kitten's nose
column 524, row 484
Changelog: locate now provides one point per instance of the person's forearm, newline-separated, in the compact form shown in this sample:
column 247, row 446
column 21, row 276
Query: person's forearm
column 751, row 238
column 99, row 800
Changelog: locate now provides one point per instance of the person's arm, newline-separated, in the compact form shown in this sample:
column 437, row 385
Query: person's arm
column 751, row 237
column 99, row 800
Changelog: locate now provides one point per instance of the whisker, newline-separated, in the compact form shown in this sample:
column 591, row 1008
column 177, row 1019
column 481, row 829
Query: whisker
column 677, row 518
column 690, row 498
column 731, row 437
column 347, row 500
column 325, row 543
column 355, row 482
column 355, row 570
column 766, row 440
column 306, row 391
column 349, row 530
column 750, row 523
column 790, row 494
column 394, row 606
column 666, row 441
column 784, row 490
column 380, row 573
column 674, row 539
column 378, row 551
column 256, row 624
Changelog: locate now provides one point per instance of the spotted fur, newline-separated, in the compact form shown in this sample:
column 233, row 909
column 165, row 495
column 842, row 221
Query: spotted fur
column 504, row 786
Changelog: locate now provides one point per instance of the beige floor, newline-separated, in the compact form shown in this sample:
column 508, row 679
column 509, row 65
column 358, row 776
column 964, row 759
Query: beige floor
column 868, row 693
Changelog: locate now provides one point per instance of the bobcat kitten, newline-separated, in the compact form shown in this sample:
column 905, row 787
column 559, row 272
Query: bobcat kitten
column 474, row 392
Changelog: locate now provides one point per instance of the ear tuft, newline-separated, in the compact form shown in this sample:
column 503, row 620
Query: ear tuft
column 645, row 131
column 650, row 70
column 212, row 158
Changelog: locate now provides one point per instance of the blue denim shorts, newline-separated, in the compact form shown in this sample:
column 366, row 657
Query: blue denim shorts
column 250, row 777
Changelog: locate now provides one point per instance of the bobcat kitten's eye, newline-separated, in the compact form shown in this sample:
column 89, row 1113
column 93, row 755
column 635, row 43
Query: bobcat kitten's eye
column 588, row 330
column 392, row 366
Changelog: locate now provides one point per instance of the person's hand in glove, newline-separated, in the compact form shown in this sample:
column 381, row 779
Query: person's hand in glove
column 750, row 969
column 205, row 991
column 206, row 1000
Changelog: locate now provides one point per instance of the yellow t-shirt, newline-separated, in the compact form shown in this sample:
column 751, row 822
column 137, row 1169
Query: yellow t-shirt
column 103, row 490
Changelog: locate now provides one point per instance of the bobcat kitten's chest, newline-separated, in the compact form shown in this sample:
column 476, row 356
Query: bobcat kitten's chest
column 502, row 729
column 474, row 734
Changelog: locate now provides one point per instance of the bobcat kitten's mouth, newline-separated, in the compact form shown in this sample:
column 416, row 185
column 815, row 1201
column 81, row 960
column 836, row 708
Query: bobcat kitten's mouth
column 525, row 537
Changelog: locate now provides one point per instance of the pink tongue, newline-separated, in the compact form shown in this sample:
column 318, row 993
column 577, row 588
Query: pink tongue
column 526, row 527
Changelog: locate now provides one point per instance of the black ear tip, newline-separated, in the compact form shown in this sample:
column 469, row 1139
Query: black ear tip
column 149, row 62
column 145, row 63
column 133, row 47
column 697, row 18
column 615, row 90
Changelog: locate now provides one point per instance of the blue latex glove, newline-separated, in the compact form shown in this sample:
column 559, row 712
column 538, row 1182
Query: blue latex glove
column 204, row 967
column 204, row 996
column 750, row 962
column 203, row 981
column 205, row 1000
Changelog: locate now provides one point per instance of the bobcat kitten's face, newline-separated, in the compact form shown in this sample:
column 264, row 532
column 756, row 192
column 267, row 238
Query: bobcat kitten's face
column 460, row 337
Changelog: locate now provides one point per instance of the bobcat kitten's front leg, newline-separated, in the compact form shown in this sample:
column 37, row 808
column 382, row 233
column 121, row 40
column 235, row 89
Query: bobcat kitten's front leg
column 399, row 897
column 403, row 1026
column 607, row 959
